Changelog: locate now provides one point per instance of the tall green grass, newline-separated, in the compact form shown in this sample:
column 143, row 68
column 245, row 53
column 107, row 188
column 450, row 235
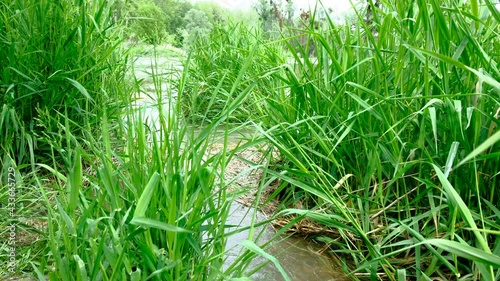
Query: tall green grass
column 231, row 49
column 109, row 196
column 149, row 212
column 390, row 136
column 371, row 123
column 142, row 201
column 58, row 59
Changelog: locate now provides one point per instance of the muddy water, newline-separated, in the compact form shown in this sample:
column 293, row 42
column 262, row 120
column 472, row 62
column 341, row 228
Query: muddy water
column 302, row 260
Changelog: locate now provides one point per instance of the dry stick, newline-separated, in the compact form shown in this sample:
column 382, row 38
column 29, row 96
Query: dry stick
column 392, row 204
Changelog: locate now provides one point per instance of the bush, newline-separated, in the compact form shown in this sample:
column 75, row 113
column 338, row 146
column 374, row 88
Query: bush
column 197, row 26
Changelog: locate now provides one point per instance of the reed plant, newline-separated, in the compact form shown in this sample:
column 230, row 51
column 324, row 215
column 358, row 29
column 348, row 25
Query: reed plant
column 106, row 196
column 141, row 201
column 59, row 59
column 389, row 136
column 372, row 129
column 217, row 61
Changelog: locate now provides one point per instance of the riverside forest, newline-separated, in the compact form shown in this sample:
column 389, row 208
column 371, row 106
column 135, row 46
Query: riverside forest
column 191, row 140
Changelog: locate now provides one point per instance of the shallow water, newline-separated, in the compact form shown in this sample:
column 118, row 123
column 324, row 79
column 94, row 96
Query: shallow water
column 301, row 259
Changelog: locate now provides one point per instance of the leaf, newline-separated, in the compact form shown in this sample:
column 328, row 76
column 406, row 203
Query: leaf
column 151, row 223
column 451, row 157
column 75, row 182
column 250, row 245
column 465, row 251
column 143, row 203
column 475, row 11
column 432, row 113
column 482, row 147
column 455, row 198
column 80, row 88
column 81, row 271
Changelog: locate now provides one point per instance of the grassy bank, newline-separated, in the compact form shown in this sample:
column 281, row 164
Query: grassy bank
column 89, row 192
column 390, row 136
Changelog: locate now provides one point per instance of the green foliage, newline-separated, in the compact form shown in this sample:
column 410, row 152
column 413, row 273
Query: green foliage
column 365, row 120
column 389, row 136
column 215, row 13
column 197, row 27
column 108, row 197
column 248, row 18
column 59, row 59
column 140, row 202
column 369, row 131
column 274, row 15
column 149, row 23
column 174, row 11
column 233, row 49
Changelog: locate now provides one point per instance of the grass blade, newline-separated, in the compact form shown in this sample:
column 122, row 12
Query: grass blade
column 250, row 245
column 143, row 202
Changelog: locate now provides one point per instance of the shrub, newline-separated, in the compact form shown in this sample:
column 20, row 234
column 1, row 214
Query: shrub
column 197, row 26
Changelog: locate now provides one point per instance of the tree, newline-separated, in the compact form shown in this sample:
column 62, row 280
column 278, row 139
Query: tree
column 216, row 14
column 197, row 25
column 274, row 14
column 175, row 11
column 149, row 23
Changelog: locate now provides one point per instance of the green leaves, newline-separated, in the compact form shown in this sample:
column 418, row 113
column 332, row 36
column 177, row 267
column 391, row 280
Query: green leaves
column 466, row 251
column 80, row 88
column 360, row 131
column 491, row 141
column 385, row 105
column 456, row 200
column 75, row 182
column 57, row 59
column 143, row 204
column 147, row 193
column 151, row 223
